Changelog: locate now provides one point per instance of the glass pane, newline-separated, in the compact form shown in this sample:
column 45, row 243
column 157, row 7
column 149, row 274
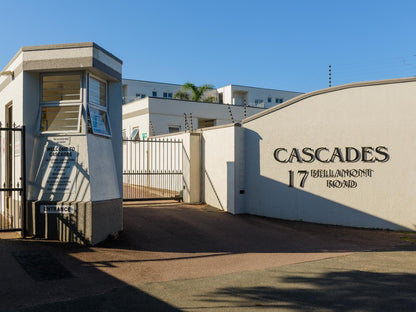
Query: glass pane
column 59, row 118
column 99, row 121
column 135, row 134
column 61, row 88
column 97, row 92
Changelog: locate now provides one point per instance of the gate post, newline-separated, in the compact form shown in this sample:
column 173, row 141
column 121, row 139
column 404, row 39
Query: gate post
column 192, row 168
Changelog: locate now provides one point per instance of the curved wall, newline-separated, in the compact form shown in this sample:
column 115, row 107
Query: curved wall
column 343, row 155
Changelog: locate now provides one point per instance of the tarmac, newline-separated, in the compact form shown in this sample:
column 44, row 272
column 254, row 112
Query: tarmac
column 179, row 257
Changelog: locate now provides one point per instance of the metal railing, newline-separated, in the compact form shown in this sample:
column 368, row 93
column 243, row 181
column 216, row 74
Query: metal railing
column 152, row 169
column 13, row 177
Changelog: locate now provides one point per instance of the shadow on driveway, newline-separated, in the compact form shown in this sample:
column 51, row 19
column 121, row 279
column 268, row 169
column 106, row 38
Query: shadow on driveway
column 186, row 228
column 164, row 243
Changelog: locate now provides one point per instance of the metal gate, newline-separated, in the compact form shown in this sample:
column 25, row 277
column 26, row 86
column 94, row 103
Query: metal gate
column 13, row 178
column 152, row 169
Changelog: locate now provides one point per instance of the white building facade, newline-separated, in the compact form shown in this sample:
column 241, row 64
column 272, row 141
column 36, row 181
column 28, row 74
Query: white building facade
column 150, row 108
column 156, row 116
column 230, row 94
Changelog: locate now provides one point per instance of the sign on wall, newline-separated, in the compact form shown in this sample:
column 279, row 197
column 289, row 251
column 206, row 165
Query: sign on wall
column 60, row 166
column 338, row 177
column 57, row 209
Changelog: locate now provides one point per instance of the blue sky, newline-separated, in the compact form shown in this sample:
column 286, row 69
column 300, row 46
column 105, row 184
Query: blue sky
column 285, row 45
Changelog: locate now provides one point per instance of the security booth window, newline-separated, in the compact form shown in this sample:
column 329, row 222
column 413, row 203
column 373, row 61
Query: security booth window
column 97, row 106
column 61, row 100
column 59, row 118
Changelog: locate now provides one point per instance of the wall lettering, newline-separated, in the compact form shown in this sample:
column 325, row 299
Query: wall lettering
column 325, row 155
column 60, row 168
column 340, row 178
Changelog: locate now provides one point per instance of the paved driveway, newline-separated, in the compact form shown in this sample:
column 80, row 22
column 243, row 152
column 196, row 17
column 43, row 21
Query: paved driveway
column 178, row 257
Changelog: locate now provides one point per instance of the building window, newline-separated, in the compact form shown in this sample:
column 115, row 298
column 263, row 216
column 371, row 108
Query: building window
column 154, row 93
column 97, row 106
column 140, row 95
column 220, row 98
column 135, row 135
column 269, row 100
column 278, row 101
column 167, row 95
column 204, row 123
column 174, row 129
column 60, row 102
column 258, row 101
column 61, row 87
column 59, row 118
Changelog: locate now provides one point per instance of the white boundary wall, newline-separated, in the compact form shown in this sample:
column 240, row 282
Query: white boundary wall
column 223, row 167
column 377, row 119
column 213, row 166
column 341, row 156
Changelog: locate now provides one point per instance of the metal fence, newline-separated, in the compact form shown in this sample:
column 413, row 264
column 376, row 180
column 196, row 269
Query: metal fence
column 152, row 169
column 13, row 177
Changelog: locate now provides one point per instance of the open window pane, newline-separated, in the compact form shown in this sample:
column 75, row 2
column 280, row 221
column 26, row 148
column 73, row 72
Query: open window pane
column 97, row 92
column 99, row 121
column 57, row 88
column 135, row 134
column 60, row 118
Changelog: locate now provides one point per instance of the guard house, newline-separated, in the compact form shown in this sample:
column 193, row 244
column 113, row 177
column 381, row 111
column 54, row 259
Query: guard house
column 68, row 97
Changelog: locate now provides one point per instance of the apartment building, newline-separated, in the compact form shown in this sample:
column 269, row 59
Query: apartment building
column 150, row 108
column 230, row 94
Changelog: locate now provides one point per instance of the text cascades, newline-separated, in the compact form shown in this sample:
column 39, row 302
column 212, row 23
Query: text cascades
column 334, row 178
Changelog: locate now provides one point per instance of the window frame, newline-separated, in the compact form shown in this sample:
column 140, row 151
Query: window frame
column 178, row 127
column 61, row 103
column 98, row 107
column 137, row 134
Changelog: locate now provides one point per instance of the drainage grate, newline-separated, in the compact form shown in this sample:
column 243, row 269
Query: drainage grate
column 41, row 265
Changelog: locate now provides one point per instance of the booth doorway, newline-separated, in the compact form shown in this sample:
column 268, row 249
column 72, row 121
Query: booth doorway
column 152, row 169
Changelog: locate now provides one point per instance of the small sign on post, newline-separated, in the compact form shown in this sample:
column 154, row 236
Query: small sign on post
column 144, row 135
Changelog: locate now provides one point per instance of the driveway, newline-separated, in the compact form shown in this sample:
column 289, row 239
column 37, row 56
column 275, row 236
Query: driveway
column 179, row 257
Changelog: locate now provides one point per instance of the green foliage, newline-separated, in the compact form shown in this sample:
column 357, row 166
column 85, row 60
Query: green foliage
column 197, row 93
column 181, row 95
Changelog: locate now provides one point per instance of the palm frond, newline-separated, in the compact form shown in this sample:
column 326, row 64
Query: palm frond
column 181, row 95
column 197, row 92
column 210, row 99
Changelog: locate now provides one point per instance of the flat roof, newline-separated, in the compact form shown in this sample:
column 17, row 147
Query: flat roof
column 62, row 46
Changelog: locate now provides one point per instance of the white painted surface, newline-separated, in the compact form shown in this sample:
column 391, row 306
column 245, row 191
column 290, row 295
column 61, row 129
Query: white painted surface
column 163, row 113
column 366, row 115
column 222, row 168
column 236, row 95
column 103, row 178
column 232, row 94
column 12, row 94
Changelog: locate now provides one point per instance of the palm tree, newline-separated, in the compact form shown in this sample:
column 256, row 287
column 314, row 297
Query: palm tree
column 197, row 93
